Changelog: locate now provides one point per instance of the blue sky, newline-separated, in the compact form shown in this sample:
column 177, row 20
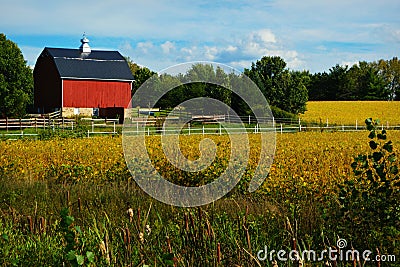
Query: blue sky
column 310, row 35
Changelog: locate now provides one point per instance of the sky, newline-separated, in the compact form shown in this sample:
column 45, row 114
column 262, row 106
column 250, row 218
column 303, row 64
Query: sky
column 312, row 35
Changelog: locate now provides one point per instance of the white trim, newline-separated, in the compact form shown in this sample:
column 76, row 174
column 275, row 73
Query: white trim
column 62, row 93
column 91, row 59
column 96, row 79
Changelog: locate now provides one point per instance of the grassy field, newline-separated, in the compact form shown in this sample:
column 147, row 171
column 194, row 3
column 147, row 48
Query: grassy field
column 72, row 202
column 348, row 112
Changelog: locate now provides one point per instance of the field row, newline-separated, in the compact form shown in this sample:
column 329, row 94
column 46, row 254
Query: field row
column 315, row 158
column 348, row 112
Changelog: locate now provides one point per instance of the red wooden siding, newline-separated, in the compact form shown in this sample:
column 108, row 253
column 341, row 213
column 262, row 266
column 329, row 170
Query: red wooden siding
column 93, row 94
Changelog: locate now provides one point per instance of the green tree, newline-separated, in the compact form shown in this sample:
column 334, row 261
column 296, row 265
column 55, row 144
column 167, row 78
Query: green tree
column 367, row 83
column 16, row 80
column 390, row 71
column 141, row 74
column 282, row 88
column 338, row 86
column 319, row 87
column 297, row 90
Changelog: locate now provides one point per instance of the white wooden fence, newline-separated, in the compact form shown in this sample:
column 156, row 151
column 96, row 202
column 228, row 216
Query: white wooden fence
column 13, row 128
column 20, row 124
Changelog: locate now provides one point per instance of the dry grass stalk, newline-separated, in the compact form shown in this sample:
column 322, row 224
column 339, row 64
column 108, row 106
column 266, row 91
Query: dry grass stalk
column 186, row 220
column 246, row 229
column 138, row 217
column 30, row 223
column 333, row 256
column 129, row 213
column 169, row 244
column 219, row 253
column 42, row 225
column 378, row 263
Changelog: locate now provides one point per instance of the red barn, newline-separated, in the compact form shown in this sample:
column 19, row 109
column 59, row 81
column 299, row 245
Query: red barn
column 81, row 81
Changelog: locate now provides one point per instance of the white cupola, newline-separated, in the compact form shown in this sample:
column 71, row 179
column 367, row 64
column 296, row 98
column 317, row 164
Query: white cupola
column 85, row 48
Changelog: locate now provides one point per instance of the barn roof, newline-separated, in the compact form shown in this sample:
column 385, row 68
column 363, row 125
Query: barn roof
column 98, row 64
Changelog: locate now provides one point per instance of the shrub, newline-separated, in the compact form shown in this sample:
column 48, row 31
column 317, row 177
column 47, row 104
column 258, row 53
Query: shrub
column 370, row 200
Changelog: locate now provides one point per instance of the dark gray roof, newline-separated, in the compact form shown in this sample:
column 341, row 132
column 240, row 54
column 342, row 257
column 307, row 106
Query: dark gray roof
column 101, row 65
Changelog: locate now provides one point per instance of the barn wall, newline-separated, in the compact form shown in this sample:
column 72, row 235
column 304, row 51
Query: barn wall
column 96, row 94
column 47, row 85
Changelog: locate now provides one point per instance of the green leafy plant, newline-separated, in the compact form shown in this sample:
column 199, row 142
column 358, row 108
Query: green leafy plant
column 73, row 246
column 370, row 201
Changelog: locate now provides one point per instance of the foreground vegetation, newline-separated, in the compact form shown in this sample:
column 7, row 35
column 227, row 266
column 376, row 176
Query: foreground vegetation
column 73, row 202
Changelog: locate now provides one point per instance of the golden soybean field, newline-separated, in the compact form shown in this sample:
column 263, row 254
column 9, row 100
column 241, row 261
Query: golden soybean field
column 348, row 112
column 311, row 160
column 89, row 177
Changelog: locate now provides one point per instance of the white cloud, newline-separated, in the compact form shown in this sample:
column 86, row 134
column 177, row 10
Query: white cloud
column 265, row 35
column 231, row 48
column 210, row 52
column 309, row 34
column 167, row 47
column 145, row 47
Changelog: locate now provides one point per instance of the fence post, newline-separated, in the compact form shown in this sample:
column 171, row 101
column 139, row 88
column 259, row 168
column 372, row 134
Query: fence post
column 88, row 133
column 148, row 131
column 387, row 125
column 93, row 126
column 7, row 124
column 249, row 120
column 20, row 124
column 203, row 129
column 220, row 129
column 72, row 125
column 273, row 122
column 281, row 128
column 327, row 124
column 356, row 125
column 35, row 124
column 189, row 127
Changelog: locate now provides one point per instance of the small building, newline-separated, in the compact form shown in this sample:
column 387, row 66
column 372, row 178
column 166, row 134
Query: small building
column 82, row 81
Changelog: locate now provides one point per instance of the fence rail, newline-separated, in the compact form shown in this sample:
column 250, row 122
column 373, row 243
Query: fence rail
column 204, row 125
column 216, row 124
column 101, row 123
column 20, row 124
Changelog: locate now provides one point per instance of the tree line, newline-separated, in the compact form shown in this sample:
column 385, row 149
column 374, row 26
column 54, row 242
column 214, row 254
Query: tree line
column 378, row 80
column 287, row 91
